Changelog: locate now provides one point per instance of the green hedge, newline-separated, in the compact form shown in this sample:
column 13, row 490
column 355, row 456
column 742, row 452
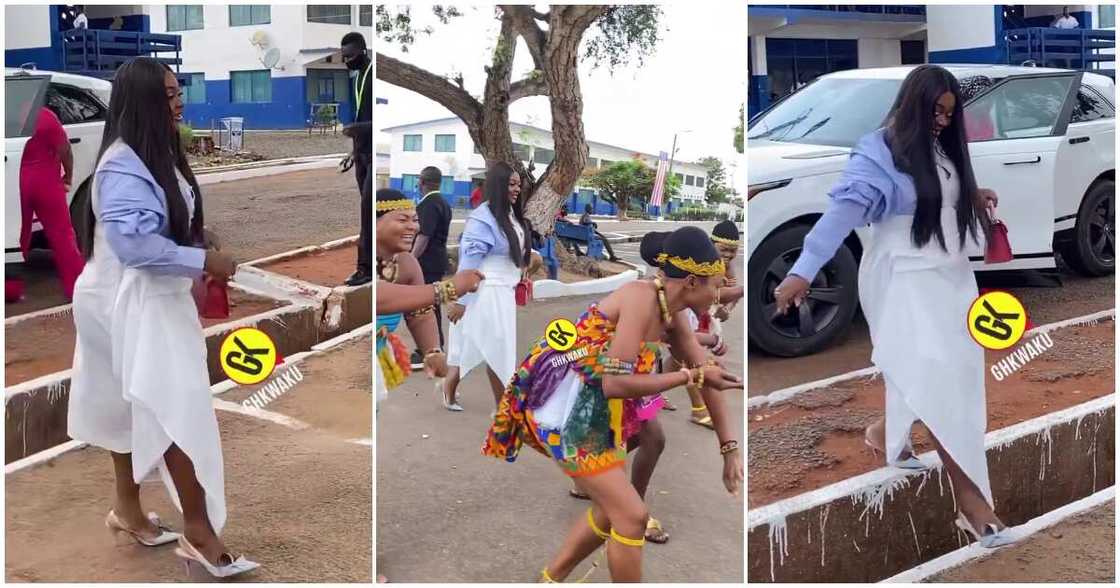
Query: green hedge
column 696, row 214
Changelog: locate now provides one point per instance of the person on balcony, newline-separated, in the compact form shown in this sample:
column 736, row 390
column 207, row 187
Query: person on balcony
column 1065, row 21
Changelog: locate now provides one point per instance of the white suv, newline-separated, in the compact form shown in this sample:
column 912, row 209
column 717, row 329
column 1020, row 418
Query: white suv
column 81, row 103
column 1049, row 154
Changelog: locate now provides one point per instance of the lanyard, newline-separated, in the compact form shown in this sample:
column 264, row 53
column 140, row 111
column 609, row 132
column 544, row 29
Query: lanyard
column 359, row 88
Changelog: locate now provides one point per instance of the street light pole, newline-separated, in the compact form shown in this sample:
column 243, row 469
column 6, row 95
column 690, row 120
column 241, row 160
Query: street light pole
column 672, row 156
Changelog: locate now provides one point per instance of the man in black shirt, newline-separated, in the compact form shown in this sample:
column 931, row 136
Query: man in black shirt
column 355, row 57
column 430, row 246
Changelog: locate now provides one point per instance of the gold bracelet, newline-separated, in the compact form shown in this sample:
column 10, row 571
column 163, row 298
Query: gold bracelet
column 699, row 378
column 728, row 447
column 421, row 311
column 450, row 295
column 439, row 297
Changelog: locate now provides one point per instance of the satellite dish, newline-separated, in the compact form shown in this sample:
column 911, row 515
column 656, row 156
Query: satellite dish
column 260, row 39
column 271, row 58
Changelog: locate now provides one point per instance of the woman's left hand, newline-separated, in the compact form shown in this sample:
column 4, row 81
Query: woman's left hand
column 988, row 197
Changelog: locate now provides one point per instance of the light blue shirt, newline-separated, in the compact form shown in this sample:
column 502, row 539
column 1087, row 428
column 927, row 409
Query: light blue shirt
column 481, row 238
column 870, row 189
column 132, row 208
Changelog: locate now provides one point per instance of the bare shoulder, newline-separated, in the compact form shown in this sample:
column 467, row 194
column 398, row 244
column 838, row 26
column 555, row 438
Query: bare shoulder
column 408, row 270
column 638, row 298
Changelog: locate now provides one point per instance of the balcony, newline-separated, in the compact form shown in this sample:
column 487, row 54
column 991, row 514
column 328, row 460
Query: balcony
column 914, row 10
column 98, row 52
column 1064, row 48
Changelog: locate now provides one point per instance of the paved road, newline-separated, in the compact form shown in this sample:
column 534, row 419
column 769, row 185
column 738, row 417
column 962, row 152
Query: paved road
column 445, row 513
column 254, row 218
column 1077, row 297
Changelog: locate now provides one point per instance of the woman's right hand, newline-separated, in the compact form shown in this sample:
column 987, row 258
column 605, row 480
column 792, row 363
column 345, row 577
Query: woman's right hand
column 455, row 311
column 467, row 281
column 732, row 472
column 219, row 264
column 720, row 379
column 792, row 290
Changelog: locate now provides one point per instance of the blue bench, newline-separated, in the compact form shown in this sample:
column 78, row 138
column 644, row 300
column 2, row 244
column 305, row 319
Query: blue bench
column 581, row 234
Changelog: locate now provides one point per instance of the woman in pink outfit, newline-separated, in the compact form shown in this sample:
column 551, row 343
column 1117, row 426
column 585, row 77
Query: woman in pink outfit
column 46, row 173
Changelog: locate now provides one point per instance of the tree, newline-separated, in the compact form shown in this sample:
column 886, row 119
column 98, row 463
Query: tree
column 738, row 142
column 622, row 34
column 623, row 181
column 716, row 190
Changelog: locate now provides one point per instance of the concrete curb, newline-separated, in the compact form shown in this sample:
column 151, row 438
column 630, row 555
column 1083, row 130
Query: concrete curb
column 545, row 289
column 1035, row 467
column 222, row 387
column 779, row 396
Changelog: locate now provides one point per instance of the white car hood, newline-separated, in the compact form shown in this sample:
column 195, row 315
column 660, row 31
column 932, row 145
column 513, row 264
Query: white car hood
column 772, row 161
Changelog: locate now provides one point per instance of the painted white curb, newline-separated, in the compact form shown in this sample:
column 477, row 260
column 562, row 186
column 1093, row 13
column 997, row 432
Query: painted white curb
column 544, row 289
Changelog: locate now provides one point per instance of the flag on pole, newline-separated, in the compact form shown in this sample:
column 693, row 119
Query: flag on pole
column 659, row 181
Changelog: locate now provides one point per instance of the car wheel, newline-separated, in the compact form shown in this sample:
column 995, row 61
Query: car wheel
column 1092, row 250
column 825, row 314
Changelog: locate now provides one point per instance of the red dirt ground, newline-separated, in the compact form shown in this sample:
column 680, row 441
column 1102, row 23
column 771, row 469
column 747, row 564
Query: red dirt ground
column 815, row 439
column 326, row 268
column 26, row 356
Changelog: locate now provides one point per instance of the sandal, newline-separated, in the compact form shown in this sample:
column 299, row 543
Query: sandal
column 654, row 532
column 703, row 422
column 575, row 493
column 668, row 405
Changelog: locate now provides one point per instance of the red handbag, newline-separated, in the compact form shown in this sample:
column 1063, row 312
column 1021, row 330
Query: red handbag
column 212, row 298
column 999, row 247
column 523, row 292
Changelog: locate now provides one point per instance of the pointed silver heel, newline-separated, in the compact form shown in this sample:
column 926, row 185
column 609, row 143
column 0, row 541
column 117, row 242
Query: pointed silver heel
column 166, row 535
column 992, row 538
column 910, row 463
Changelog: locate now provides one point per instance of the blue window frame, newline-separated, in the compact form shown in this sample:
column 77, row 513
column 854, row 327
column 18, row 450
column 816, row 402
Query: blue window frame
column 445, row 143
column 414, row 143
column 246, row 14
column 184, row 17
column 250, row 86
column 195, row 92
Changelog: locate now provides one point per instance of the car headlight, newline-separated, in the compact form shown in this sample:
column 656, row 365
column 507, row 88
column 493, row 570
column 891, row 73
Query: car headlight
column 757, row 188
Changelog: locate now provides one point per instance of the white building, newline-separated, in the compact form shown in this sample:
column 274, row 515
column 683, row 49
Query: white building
column 446, row 144
column 266, row 64
column 790, row 45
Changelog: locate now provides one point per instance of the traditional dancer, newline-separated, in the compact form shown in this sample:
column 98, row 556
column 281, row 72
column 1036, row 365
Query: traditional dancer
column 484, row 325
column 397, row 226
column 913, row 181
column 147, row 246
column 581, row 411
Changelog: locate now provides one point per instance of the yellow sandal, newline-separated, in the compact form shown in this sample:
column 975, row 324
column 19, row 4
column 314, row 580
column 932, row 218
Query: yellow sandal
column 704, row 422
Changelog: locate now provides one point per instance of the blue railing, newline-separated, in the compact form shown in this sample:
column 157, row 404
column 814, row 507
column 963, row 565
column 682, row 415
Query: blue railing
column 1065, row 48
column 864, row 8
column 98, row 52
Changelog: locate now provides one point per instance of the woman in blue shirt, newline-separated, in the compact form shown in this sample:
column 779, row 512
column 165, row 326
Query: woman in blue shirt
column 912, row 180
column 140, row 384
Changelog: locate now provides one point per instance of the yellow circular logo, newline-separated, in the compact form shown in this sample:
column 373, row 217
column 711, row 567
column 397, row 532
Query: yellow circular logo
column 997, row 320
column 248, row 355
column 560, row 334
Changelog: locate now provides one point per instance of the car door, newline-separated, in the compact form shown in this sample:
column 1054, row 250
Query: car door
column 1025, row 119
column 23, row 97
column 83, row 117
column 1087, row 152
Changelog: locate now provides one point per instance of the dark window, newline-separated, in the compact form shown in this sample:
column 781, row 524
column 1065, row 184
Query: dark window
column 413, row 143
column 73, row 105
column 365, row 15
column 521, row 151
column 184, row 17
column 913, row 52
column 792, row 63
column 690, row 180
column 1090, row 106
column 329, row 13
column 245, row 14
column 1107, row 14
column 543, row 156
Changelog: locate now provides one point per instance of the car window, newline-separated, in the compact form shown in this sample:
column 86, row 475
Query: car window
column 74, row 105
column 1017, row 109
column 22, row 95
column 1090, row 106
column 829, row 111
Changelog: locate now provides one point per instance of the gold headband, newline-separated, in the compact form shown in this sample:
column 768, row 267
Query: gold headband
column 391, row 205
column 707, row 268
column 724, row 240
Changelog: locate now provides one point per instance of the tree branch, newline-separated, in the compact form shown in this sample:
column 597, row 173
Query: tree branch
column 524, row 23
column 527, row 87
column 429, row 85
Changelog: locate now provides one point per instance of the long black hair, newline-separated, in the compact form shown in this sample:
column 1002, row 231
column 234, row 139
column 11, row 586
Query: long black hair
column 911, row 142
column 496, row 193
column 139, row 115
